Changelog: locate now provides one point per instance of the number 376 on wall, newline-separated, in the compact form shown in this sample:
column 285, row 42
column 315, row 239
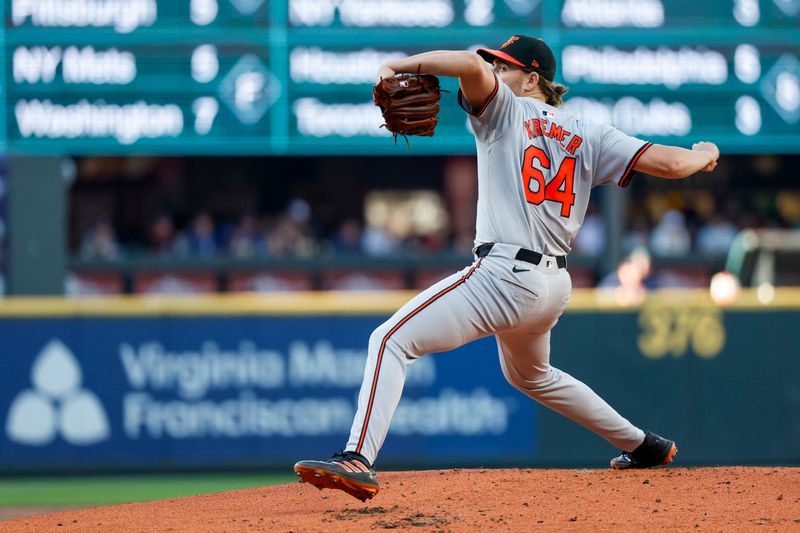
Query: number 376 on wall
column 672, row 329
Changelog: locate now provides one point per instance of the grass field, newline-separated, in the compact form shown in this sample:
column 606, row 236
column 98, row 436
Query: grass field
column 79, row 491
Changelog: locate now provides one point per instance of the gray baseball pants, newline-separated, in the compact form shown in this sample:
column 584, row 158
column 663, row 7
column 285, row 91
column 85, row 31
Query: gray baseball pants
column 489, row 298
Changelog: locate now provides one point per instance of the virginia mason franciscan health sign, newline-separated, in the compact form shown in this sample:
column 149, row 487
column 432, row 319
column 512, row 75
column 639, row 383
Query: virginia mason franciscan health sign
column 226, row 382
column 171, row 392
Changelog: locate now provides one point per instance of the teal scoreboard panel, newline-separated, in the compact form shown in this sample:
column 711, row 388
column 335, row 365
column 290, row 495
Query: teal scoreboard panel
column 294, row 76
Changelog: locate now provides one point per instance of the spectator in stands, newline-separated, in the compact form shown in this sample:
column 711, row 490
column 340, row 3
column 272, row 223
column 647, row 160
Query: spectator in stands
column 200, row 239
column 161, row 235
column 291, row 234
column 631, row 279
column 100, row 242
column 434, row 241
column 591, row 239
column 638, row 236
column 348, row 238
column 377, row 241
column 248, row 238
column 787, row 203
column 670, row 236
column 716, row 236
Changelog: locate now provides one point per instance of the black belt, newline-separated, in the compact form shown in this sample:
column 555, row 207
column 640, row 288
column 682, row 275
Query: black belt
column 523, row 255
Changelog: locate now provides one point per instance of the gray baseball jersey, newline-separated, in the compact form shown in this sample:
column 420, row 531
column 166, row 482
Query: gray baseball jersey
column 536, row 167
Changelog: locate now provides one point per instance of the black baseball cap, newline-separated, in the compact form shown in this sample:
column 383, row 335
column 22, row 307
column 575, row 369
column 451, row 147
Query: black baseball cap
column 529, row 53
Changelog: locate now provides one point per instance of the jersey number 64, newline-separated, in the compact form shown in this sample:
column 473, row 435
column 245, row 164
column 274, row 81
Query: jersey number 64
column 560, row 189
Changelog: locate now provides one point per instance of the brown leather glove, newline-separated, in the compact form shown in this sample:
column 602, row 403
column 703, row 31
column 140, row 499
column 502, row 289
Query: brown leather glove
column 409, row 103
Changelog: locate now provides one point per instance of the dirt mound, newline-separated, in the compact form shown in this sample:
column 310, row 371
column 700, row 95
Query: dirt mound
column 676, row 499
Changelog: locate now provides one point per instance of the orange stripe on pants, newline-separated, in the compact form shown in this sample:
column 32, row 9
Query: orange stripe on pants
column 386, row 339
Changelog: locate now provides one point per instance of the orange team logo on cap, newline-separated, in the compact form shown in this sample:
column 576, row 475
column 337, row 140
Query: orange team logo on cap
column 535, row 64
column 512, row 40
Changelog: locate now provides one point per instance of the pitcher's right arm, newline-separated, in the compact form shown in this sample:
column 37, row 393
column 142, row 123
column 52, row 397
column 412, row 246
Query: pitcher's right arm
column 672, row 162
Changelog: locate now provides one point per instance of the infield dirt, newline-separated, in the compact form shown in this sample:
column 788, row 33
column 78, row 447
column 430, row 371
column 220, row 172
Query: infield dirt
column 674, row 499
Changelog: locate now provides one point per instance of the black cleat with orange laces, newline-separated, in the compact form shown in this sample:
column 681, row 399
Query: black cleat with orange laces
column 654, row 451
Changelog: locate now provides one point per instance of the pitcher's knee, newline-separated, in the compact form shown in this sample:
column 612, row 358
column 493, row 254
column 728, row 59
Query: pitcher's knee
column 403, row 348
column 378, row 335
column 533, row 382
column 383, row 340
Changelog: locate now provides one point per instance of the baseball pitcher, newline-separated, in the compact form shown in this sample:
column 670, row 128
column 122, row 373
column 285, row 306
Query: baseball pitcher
column 537, row 165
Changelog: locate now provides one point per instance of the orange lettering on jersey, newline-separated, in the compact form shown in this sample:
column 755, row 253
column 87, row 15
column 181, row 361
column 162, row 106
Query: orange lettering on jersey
column 536, row 127
column 574, row 144
column 556, row 132
column 528, row 129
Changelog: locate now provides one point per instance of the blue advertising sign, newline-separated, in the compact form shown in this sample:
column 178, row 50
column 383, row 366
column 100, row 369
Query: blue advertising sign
column 3, row 222
column 163, row 392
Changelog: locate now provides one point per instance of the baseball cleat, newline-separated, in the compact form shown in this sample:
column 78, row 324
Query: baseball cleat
column 347, row 471
column 654, row 451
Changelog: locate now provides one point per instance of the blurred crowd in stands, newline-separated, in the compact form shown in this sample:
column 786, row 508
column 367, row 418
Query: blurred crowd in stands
column 287, row 234
column 291, row 233
column 250, row 212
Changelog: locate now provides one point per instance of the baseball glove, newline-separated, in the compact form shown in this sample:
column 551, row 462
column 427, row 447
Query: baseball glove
column 409, row 103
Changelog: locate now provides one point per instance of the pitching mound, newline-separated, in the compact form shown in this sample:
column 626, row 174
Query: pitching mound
column 675, row 499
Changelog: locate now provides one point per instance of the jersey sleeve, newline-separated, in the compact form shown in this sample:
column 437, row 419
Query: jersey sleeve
column 616, row 155
column 490, row 121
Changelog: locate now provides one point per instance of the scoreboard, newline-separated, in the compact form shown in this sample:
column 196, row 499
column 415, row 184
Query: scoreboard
column 294, row 76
